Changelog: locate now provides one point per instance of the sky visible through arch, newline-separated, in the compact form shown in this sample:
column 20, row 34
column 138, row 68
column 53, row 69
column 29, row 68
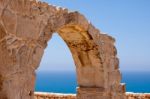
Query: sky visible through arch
column 128, row 21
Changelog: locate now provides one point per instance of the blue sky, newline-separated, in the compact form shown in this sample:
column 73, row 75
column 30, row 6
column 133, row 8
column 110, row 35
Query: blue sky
column 126, row 20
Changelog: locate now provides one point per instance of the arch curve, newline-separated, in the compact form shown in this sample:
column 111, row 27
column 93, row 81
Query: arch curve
column 30, row 26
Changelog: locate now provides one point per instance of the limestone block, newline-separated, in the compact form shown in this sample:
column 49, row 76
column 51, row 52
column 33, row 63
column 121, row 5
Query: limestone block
column 36, row 57
column 114, row 77
column 27, row 28
column 3, row 3
column 92, row 93
column 9, row 21
column 77, row 18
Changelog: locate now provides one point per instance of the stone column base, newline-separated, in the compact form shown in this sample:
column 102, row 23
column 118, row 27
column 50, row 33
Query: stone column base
column 92, row 93
column 98, row 93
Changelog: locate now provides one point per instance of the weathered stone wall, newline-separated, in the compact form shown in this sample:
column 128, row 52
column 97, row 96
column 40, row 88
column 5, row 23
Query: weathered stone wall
column 138, row 95
column 39, row 95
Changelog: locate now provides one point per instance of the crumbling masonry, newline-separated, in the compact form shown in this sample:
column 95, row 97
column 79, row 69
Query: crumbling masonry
column 25, row 28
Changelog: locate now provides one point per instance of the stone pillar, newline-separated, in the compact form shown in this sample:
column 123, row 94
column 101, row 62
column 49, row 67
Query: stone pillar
column 17, row 77
column 18, row 62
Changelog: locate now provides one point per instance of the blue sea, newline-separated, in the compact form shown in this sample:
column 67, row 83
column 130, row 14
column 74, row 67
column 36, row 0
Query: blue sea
column 65, row 82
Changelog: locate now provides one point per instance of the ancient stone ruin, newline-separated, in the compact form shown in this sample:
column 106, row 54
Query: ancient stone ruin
column 25, row 28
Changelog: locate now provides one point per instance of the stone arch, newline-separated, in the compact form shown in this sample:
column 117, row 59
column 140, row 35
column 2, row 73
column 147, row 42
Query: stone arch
column 25, row 28
column 83, row 49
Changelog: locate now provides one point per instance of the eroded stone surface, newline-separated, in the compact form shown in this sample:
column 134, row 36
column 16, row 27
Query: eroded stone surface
column 25, row 28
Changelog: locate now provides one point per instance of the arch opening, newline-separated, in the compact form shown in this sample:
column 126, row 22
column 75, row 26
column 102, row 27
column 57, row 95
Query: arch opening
column 57, row 72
